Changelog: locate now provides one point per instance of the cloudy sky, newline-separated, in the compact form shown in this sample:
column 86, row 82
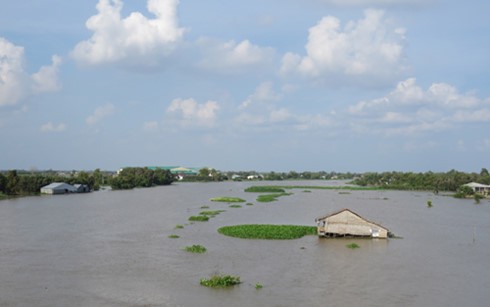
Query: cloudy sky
column 335, row 85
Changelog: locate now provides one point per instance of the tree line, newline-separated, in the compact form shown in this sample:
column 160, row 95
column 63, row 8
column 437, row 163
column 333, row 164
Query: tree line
column 448, row 181
column 15, row 182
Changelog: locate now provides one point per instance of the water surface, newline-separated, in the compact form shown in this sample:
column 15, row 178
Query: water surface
column 111, row 248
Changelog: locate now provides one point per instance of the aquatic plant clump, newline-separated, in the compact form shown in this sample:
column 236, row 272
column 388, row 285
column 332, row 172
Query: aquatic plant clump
column 211, row 213
column 174, row 236
column 220, row 281
column 235, row 206
column 270, row 197
column 265, row 189
column 196, row 249
column 268, row 232
column 199, row 218
column 352, row 246
column 228, row 199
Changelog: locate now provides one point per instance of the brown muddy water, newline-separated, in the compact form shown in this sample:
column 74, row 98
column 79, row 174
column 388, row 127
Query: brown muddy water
column 111, row 248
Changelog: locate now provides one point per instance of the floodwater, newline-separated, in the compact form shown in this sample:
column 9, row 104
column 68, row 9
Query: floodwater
column 111, row 248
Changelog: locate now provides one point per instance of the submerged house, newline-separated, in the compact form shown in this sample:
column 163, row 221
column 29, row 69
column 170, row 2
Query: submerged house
column 479, row 188
column 64, row 188
column 346, row 223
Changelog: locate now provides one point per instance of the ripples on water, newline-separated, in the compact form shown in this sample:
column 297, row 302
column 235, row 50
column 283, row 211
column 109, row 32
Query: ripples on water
column 111, row 248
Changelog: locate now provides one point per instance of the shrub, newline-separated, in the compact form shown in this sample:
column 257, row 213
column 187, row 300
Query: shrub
column 220, row 281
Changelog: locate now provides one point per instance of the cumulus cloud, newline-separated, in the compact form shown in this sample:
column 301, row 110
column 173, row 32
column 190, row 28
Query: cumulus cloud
column 50, row 127
column 192, row 113
column 231, row 56
column 135, row 39
column 15, row 81
column 264, row 93
column 410, row 109
column 100, row 113
column 369, row 50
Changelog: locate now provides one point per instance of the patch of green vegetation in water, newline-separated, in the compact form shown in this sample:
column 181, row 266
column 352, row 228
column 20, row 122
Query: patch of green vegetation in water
column 265, row 189
column 266, row 198
column 268, row 232
column 250, row 204
column 220, row 281
column 352, row 245
column 228, row 199
column 211, row 213
column 235, row 206
column 179, row 226
column 196, row 249
column 174, row 236
column 205, row 207
column 199, row 218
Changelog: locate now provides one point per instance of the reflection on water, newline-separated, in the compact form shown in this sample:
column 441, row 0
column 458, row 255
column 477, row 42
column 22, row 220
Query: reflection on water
column 111, row 248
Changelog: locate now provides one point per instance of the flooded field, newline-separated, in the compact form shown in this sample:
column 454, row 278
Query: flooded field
column 111, row 248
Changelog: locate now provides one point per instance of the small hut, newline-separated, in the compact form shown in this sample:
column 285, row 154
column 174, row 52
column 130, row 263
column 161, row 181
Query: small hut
column 346, row 223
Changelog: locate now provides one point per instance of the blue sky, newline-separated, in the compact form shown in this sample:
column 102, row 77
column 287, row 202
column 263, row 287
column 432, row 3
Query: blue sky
column 352, row 85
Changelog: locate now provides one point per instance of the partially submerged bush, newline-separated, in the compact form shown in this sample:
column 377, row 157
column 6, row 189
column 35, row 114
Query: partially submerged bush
column 220, row 281
column 173, row 236
column 196, row 249
column 179, row 226
column 235, row 206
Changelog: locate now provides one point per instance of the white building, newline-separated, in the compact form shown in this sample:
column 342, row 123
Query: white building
column 58, row 188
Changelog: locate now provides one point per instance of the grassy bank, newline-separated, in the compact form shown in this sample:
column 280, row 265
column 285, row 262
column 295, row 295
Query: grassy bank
column 268, row 232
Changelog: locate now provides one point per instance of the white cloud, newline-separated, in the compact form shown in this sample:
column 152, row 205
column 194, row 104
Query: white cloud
column 15, row 82
column 136, row 39
column 100, row 113
column 231, row 57
column 50, row 127
column 264, row 93
column 194, row 114
column 409, row 109
column 46, row 79
column 369, row 51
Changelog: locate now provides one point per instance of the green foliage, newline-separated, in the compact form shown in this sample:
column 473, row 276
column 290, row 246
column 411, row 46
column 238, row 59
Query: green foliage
column 199, row 218
column 270, row 197
column 429, row 181
column 173, row 236
column 220, row 281
column 429, row 203
column 265, row 189
column 228, row 199
column 204, row 207
column 211, row 213
column 249, row 204
column 235, row 206
column 179, row 226
column 196, row 249
column 478, row 197
column 352, row 246
column 268, row 232
column 141, row 177
column 258, row 286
